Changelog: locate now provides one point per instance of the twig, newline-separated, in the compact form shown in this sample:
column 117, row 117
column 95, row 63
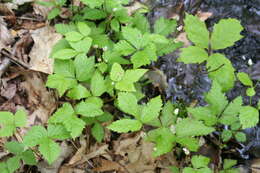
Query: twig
column 13, row 59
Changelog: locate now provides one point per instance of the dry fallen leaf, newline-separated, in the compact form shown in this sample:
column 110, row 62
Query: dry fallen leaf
column 107, row 165
column 44, row 40
column 203, row 15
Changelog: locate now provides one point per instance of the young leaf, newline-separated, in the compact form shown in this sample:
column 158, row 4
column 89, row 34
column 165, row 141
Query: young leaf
column 124, row 48
column 14, row 147
column 189, row 142
column 64, row 67
column 222, row 71
column 127, row 102
column 164, row 49
column 199, row 161
column 249, row 116
column 89, row 109
column 141, row 23
column 240, row 137
column 244, row 79
column 53, row 13
column 50, row 150
column 151, row 110
column 94, row 14
column 64, row 28
column 133, row 36
column 97, row 86
column 164, row 26
column 98, row 132
column 73, row 36
column 197, row 31
column 190, row 127
column 228, row 163
column 28, row 157
column 65, row 54
column 83, row 28
column 225, row 33
column 226, row 135
column 250, row 92
column 93, row 3
column 82, row 46
column 60, row 83
column 205, row 114
column 20, row 118
column 78, row 92
column 117, row 72
column 115, row 25
column 125, row 125
column 192, row 54
column 84, row 67
column 168, row 118
column 35, row 136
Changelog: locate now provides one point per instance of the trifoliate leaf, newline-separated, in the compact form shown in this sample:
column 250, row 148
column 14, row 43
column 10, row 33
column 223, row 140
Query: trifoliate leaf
column 65, row 54
column 64, row 67
column 35, row 136
column 20, row 118
column 88, row 109
column 168, row 118
column 229, row 116
column 84, row 67
column 97, row 85
column 60, row 83
column 94, row 14
column 216, row 99
column 57, row 132
column 197, row 31
column 7, row 124
column 205, row 114
column 240, row 137
column 98, row 132
column 83, row 28
column 226, row 135
column 14, row 147
column 249, row 116
column 78, row 92
column 117, row 72
column 189, row 142
column 125, row 125
column 221, row 70
column 191, row 127
column 164, row 26
column 82, row 46
column 73, row 36
column 50, row 150
column 134, row 36
column 250, row 92
column 199, row 161
column 225, row 33
column 28, row 157
column 124, row 48
column 141, row 23
column 193, row 54
column 244, row 79
column 93, row 3
column 151, row 110
column 228, row 163
column 127, row 102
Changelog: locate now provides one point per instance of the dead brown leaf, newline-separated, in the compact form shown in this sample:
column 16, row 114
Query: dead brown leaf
column 107, row 165
column 203, row 15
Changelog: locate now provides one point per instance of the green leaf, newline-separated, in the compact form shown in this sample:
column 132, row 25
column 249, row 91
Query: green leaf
column 164, row 26
column 60, row 45
column 14, row 147
column 82, row 46
column 199, row 161
column 93, row 3
column 250, row 92
column 164, row 49
column 83, row 28
column 65, row 54
column 158, row 39
column 226, row 135
column 168, row 118
column 7, row 124
column 190, row 142
column 115, row 25
column 60, row 83
column 191, row 127
column 62, row 114
column 3, row 167
column 34, row 136
column 151, row 110
column 78, row 92
column 75, row 126
column 64, row 67
column 229, row 116
column 240, row 137
column 188, row 170
column 84, row 67
column 205, row 114
column 229, row 163
column 20, row 118
column 124, row 48
column 133, row 36
column 97, row 86
column 13, row 164
column 225, row 33
column 125, row 125
column 57, row 132
column 244, row 79
column 127, row 102
column 28, row 157
column 53, row 13
column 89, row 109
column 94, row 14
column 216, row 99
column 193, row 54
column 73, row 36
column 64, row 28
column 117, row 72
column 105, row 117
column 50, row 150
column 101, row 41
column 197, row 31
column 249, row 116
column 141, row 23
column 224, row 71
column 98, row 132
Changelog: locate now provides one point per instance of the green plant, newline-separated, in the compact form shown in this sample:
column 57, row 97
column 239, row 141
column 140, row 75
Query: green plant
column 245, row 80
column 56, row 7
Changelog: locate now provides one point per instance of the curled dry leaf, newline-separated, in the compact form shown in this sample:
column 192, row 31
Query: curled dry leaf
column 44, row 40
